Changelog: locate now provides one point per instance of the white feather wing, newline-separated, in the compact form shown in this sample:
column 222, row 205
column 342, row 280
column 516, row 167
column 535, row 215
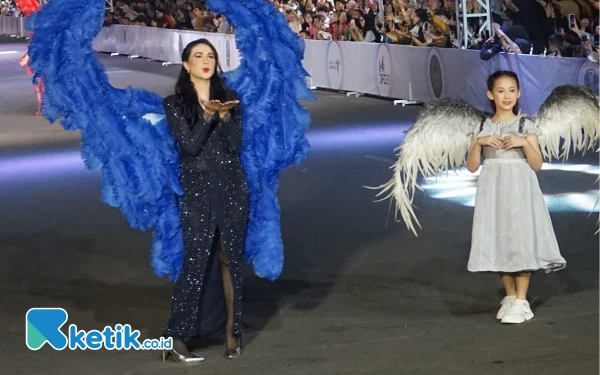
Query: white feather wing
column 439, row 140
column 570, row 114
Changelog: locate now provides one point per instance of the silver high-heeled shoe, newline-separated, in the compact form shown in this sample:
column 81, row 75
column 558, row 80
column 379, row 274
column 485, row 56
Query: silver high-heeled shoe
column 190, row 359
column 234, row 353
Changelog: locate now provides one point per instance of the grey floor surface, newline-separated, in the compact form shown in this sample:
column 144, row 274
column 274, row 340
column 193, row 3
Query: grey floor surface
column 359, row 294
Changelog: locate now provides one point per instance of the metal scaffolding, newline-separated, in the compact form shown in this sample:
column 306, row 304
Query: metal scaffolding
column 109, row 5
column 462, row 21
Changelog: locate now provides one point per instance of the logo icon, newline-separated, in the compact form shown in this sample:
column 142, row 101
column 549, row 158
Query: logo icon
column 180, row 45
column 43, row 326
column 228, row 53
column 587, row 74
column 384, row 71
column 436, row 75
column 335, row 66
column 591, row 80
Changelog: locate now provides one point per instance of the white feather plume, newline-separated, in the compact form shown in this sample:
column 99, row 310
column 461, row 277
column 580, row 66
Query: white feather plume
column 570, row 114
column 439, row 140
column 441, row 136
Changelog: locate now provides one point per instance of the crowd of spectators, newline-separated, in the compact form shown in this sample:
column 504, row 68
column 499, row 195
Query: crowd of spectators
column 557, row 27
column 565, row 27
column 170, row 14
column 8, row 8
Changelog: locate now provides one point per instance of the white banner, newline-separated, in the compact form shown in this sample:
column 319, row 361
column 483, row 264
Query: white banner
column 394, row 71
column 424, row 74
column 10, row 25
column 163, row 44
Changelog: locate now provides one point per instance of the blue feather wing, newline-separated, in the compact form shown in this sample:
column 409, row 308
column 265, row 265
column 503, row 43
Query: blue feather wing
column 124, row 132
column 270, row 82
column 134, row 149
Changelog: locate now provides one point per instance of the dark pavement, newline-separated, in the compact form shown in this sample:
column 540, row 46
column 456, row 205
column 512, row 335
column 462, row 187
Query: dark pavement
column 359, row 294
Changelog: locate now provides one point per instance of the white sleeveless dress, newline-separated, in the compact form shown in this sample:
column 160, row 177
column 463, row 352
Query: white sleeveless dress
column 512, row 229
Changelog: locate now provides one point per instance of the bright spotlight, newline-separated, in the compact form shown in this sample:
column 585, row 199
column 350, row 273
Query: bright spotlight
column 460, row 187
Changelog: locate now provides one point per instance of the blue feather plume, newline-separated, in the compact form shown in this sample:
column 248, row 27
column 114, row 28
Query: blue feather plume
column 138, row 160
column 125, row 134
column 270, row 81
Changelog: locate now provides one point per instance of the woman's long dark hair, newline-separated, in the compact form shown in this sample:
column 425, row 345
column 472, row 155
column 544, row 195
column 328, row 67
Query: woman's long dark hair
column 492, row 81
column 184, row 87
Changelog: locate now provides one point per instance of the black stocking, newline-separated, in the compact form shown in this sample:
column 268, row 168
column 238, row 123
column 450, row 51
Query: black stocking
column 230, row 339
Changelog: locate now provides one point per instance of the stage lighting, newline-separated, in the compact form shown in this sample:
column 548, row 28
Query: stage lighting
column 461, row 187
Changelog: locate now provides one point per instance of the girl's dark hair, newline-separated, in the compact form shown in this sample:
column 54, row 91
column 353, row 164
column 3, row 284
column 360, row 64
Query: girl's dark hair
column 492, row 81
column 422, row 15
column 557, row 39
column 184, row 87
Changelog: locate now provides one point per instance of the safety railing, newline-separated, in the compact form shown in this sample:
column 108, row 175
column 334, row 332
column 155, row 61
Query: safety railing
column 13, row 26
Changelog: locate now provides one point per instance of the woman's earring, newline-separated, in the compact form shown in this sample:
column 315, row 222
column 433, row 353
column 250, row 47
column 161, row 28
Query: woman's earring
column 188, row 72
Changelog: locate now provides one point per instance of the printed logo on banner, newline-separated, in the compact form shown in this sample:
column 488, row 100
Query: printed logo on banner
column 592, row 80
column 384, row 70
column 181, row 45
column 335, row 66
column 587, row 74
column 228, row 52
column 436, row 75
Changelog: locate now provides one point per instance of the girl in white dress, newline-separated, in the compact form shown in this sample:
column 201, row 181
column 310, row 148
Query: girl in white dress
column 512, row 231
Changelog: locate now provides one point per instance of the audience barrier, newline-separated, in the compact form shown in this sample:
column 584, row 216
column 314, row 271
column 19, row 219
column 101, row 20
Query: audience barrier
column 425, row 74
column 164, row 45
column 404, row 73
column 14, row 26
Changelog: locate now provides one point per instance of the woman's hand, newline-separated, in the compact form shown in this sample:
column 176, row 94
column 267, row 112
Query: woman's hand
column 585, row 23
column 510, row 5
column 500, row 33
column 211, row 106
column 226, row 107
column 512, row 141
column 491, row 140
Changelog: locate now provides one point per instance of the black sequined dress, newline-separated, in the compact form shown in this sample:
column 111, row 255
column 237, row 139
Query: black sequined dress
column 214, row 206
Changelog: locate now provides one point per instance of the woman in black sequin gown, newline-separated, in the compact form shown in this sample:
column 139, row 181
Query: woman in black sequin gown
column 206, row 121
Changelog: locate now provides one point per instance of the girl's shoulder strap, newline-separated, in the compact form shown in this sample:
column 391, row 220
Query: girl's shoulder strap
column 483, row 120
column 522, row 123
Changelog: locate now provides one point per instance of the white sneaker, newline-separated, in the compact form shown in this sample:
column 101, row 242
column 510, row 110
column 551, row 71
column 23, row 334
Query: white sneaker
column 506, row 304
column 519, row 312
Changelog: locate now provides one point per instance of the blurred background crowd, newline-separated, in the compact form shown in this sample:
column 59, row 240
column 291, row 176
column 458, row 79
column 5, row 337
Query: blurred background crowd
column 567, row 28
